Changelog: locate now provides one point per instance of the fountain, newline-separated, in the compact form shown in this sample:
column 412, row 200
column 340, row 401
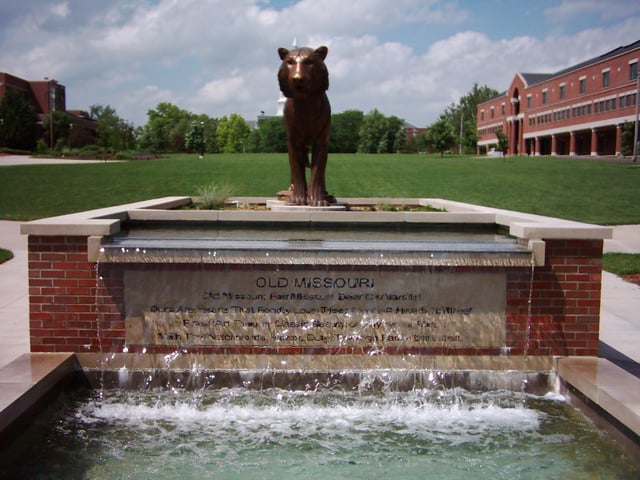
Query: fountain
column 470, row 289
column 312, row 341
column 315, row 337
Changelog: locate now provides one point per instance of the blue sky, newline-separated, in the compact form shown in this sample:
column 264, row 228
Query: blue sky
column 409, row 58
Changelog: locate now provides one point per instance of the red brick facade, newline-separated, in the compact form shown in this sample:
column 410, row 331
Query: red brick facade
column 77, row 307
column 43, row 94
column 578, row 111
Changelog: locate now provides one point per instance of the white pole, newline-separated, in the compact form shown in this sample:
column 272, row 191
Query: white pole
column 461, row 125
column 635, row 128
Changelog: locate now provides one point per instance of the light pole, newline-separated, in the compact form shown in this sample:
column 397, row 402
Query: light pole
column 635, row 126
column 70, row 132
column 52, row 107
column 201, row 139
column 461, row 131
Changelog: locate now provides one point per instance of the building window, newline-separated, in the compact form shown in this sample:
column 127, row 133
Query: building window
column 633, row 70
column 544, row 97
column 563, row 92
column 493, row 112
column 482, row 115
column 528, row 101
column 605, row 79
column 503, row 109
column 583, row 85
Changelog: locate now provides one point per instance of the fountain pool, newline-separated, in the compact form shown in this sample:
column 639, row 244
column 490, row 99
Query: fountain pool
column 487, row 298
column 321, row 433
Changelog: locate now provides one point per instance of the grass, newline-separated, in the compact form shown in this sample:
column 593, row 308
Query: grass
column 5, row 255
column 583, row 190
column 621, row 263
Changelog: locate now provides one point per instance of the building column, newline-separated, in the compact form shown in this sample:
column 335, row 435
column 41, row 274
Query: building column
column 619, row 140
column 553, row 145
column 594, row 142
column 537, row 144
column 510, row 142
column 522, row 148
column 572, row 144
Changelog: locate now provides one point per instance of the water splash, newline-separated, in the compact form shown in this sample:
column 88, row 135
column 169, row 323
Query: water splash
column 527, row 332
column 240, row 433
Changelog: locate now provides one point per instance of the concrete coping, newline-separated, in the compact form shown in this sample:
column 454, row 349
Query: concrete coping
column 606, row 385
column 531, row 230
column 29, row 378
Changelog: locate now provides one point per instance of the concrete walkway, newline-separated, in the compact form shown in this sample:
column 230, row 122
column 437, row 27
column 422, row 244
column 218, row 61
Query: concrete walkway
column 14, row 294
column 11, row 160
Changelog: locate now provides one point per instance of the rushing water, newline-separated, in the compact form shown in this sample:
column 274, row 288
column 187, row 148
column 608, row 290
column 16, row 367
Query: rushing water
column 248, row 434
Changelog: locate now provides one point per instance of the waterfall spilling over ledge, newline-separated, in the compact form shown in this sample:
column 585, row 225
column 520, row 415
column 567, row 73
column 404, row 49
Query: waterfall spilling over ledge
column 151, row 286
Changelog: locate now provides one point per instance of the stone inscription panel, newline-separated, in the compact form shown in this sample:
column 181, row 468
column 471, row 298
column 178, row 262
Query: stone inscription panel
column 366, row 308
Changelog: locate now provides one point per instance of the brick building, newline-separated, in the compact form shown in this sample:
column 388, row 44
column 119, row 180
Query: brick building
column 580, row 110
column 46, row 96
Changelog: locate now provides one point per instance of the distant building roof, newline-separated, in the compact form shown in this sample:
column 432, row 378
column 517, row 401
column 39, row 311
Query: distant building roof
column 534, row 78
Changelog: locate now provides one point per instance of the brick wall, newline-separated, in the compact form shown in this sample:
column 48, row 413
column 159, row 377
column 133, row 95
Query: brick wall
column 566, row 303
column 70, row 308
column 75, row 308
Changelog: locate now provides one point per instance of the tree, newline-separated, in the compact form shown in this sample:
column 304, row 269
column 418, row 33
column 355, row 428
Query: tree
column 503, row 142
column 400, row 142
column 233, row 133
column 378, row 133
column 166, row 128
column 194, row 140
column 345, row 131
column 627, row 138
column 466, row 111
column 19, row 122
column 269, row 137
column 371, row 131
column 441, row 136
column 417, row 143
column 57, row 136
column 114, row 133
column 394, row 139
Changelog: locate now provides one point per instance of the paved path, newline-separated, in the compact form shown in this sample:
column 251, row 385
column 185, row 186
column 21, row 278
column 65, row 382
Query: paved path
column 14, row 292
column 9, row 160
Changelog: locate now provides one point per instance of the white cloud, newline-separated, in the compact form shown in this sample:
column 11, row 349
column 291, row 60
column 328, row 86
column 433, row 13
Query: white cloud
column 220, row 57
column 224, row 89
column 60, row 9
column 129, row 104
column 569, row 10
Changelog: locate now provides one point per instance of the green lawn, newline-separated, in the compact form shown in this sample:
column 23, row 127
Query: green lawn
column 621, row 263
column 5, row 255
column 585, row 190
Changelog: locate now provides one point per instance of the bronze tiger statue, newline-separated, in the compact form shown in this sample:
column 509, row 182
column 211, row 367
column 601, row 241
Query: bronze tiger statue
column 304, row 80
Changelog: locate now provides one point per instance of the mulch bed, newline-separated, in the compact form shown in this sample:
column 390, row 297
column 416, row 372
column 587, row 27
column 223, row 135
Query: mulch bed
column 635, row 278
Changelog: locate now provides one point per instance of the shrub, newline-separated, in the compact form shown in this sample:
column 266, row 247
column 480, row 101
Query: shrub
column 212, row 195
column 89, row 150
